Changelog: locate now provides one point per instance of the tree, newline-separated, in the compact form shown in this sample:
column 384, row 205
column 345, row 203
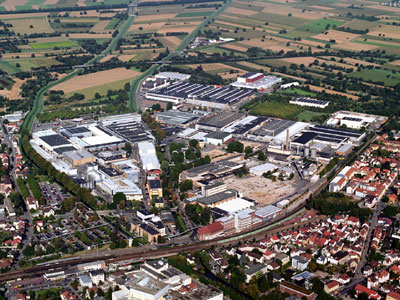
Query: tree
column 248, row 150
column 169, row 105
column 186, row 185
column 261, row 156
column 118, row 197
column 128, row 147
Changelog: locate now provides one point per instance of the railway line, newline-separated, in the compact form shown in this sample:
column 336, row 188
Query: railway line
column 278, row 224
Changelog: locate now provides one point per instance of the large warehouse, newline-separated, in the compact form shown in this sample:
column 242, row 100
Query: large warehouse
column 356, row 120
column 175, row 117
column 256, row 81
column 219, row 122
column 199, row 95
column 328, row 135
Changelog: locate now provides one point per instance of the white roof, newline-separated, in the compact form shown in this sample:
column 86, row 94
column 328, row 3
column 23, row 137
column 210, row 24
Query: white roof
column 263, row 168
column 99, row 137
column 267, row 211
column 187, row 132
column 199, row 136
column 147, row 153
column 243, row 121
column 235, row 205
column 173, row 75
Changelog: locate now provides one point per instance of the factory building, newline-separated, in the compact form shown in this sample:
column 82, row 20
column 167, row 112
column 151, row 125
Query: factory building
column 219, row 122
column 148, row 156
column 199, row 95
column 307, row 101
column 217, row 138
column 174, row 117
column 79, row 157
column 256, row 81
column 356, row 120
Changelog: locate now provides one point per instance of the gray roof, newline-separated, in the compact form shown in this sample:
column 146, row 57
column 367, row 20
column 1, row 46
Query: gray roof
column 222, row 119
column 175, row 117
column 217, row 197
column 219, row 135
column 254, row 269
column 213, row 185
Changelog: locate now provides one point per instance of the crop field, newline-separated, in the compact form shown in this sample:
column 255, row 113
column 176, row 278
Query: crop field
column 52, row 45
column 95, row 80
column 387, row 77
column 30, row 25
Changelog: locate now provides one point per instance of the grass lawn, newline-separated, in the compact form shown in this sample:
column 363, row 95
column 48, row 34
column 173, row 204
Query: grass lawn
column 194, row 14
column 378, row 75
column 296, row 91
column 52, row 45
column 319, row 26
column 277, row 109
column 8, row 67
column 307, row 115
column 111, row 25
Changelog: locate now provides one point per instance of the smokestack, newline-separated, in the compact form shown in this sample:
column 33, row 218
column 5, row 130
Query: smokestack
column 287, row 139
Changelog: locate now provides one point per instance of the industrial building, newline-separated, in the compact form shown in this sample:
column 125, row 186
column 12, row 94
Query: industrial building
column 148, row 156
column 78, row 157
column 256, row 81
column 174, row 117
column 173, row 76
column 219, row 122
column 217, row 137
column 199, row 95
column 335, row 137
column 218, row 198
column 246, row 124
column 356, row 120
column 307, row 101
column 277, row 130
column 76, row 132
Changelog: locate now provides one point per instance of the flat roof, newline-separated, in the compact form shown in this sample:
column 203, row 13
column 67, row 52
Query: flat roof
column 267, row 211
column 222, row 120
column 310, row 100
column 217, row 197
column 235, row 205
column 173, row 75
column 175, row 117
column 219, row 135
column 55, row 140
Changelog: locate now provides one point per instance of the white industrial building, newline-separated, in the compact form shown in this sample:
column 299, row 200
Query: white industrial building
column 256, row 81
column 142, row 288
column 310, row 102
column 261, row 169
column 148, row 156
column 355, row 120
column 217, row 137
column 174, row 76
column 129, row 188
column 235, row 205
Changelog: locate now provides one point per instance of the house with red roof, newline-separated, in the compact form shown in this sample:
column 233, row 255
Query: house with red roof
column 331, row 286
column 371, row 293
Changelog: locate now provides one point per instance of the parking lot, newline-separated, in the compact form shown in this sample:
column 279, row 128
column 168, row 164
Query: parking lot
column 52, row 193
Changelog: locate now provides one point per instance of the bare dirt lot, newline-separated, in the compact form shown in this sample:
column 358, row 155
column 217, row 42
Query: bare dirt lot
column 91, row 80
column 355, row 46
column 14, row 92
column 261, row 189
column 338, row 36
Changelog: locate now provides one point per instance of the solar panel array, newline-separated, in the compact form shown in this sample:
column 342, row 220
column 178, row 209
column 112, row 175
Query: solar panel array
column 134, row 132
column 327, row 134
column 243, row 128
column 185, row 90
column 310, row 100
column 54, row 140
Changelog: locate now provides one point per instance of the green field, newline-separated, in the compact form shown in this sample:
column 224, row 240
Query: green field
column 296, row 91
column 277, row 109
column 111, row 25
column 306, row 116
column 52, row 45
column 194, row 14
column 321, row 25
column 378, row 75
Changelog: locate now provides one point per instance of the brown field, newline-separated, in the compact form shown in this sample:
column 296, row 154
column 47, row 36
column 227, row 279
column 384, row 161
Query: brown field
column 310, row 43
column 107, row 58
column 47, row 39
column 231, row 24
column 338, row 36
column 234, row 47
column 395, row 63
column 50, row 2
column 227, row 75
column 15, row 91
column 257, row 42
column 321, row 7
column 355, row 46
column 239, row 11
column 353, row 61
column 22, row 16
column 299, row 60
column 277, row 48
column 90, row 35
column 321, row 89
column 151, row 17
column 11, row 4
column 387, row 31
column 22, row 26
column 99, row 27
column 285, row 10
column 90, row 13
column 149, row 26
column 253, row 65
column 91, row 80
column 385, row 8
column 171, row 41
column 185, row 28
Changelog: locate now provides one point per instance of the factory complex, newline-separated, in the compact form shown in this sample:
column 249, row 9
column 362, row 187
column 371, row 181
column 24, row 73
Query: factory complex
column 94, row 155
